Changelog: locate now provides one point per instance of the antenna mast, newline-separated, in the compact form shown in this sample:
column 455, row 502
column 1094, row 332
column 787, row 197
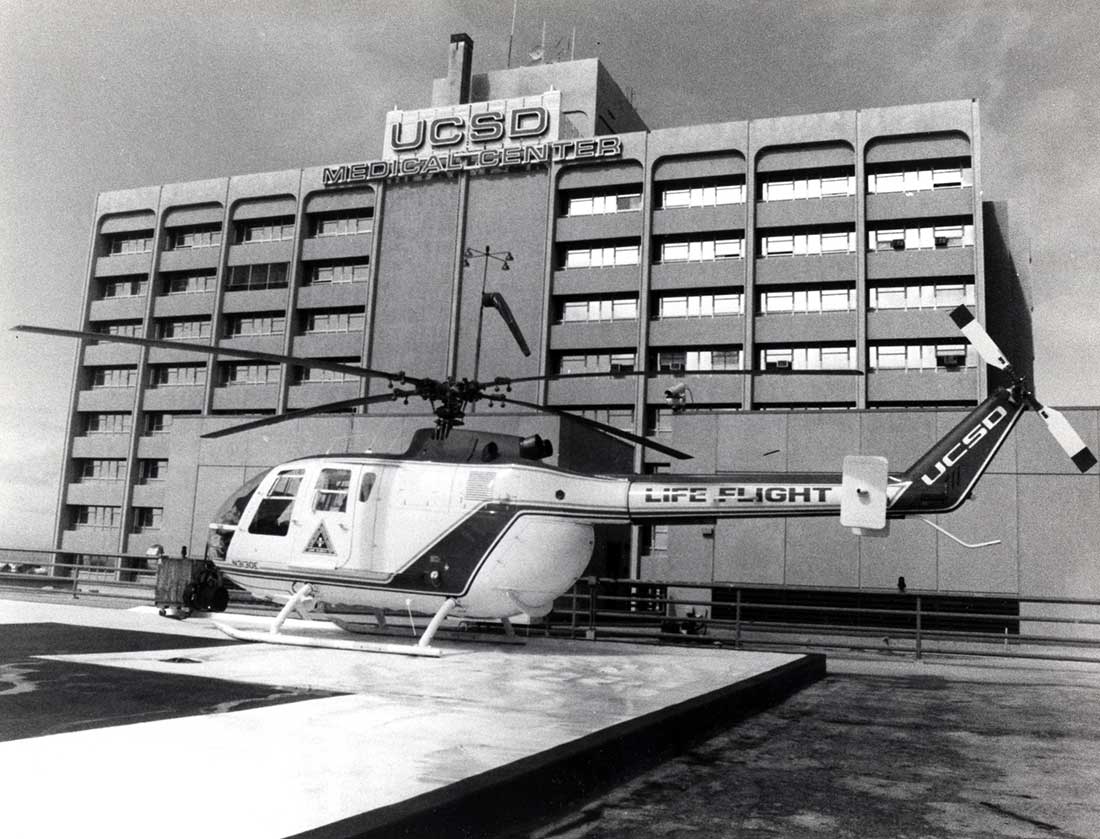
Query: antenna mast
column 512, row 35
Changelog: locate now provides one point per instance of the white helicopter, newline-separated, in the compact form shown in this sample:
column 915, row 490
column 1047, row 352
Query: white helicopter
column 471, row 524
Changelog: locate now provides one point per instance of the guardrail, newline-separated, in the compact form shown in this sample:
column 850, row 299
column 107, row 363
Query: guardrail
column 916, row 623
column 74, row 573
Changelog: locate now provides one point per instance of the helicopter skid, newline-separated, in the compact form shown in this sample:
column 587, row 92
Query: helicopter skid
column 290, row 639
column 395, row 630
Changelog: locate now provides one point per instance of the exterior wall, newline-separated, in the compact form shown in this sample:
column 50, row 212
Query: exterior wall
column 1046, row 514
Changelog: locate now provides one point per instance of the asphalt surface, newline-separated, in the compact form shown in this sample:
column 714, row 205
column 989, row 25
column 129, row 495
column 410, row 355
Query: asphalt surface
column 39, row 696
column 894, row 750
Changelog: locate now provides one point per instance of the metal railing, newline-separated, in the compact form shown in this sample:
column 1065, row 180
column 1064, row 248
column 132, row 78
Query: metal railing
column 916, row 623
column 73, row 574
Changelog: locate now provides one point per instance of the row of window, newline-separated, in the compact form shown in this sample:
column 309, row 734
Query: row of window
column 927, row 356
column 343, row 223
column 118, row 422
column 97, row 516
column 801, row 301
column 784, row 189
column 783, row 244
column 241, row 278
column 114, row 469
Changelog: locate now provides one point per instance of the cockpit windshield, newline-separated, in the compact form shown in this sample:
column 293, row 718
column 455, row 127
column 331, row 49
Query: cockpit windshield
column 229, row 514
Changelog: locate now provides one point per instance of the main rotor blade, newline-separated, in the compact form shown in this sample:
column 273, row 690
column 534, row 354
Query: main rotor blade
column 502, row 381
column 495, row 300
column 213, row 349
column 606, row 429
column 979, row 338
column 306, row 412
column 1067, row 438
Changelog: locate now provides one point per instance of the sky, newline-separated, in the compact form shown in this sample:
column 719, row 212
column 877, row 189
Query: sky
column 98, row 96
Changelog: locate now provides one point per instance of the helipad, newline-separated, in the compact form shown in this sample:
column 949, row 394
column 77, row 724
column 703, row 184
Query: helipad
column 177, row 733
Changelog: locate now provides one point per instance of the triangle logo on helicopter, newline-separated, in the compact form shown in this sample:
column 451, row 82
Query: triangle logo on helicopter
column 320, row 542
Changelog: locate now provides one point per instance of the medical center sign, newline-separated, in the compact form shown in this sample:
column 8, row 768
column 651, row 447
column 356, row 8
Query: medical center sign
column 473, row 137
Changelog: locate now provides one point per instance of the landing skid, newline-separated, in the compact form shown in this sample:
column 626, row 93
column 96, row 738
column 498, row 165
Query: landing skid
column 299, row 602
column 387, row 629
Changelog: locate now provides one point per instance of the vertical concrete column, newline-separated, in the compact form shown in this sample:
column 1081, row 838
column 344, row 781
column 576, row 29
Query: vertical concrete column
column 379, row 193
column 553, row 175
column 74, row 387
column 456, row 277
column 749, row 351
column 979, row 235
column 641, row 362
column 294, row 276
column 221, row 278
column 142, row 380
column 861, row 262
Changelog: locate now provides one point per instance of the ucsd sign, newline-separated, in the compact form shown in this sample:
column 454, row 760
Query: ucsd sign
column 485, row 127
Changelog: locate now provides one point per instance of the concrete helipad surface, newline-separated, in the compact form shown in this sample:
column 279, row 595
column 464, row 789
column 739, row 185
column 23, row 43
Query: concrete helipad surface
column 327, row 742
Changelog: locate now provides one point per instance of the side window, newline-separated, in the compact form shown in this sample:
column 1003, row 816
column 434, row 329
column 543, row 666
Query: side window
column 273, row 515
column 332, row 491
column 367, row 485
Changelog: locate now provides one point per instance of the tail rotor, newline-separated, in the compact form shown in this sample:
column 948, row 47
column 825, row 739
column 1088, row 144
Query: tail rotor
column 1056, row 423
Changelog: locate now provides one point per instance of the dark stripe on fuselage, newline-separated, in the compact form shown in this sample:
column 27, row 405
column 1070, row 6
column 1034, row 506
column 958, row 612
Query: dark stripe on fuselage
column 456, row 557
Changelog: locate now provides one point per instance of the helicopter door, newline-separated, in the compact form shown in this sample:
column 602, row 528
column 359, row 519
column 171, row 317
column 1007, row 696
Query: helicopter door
column 323, row 534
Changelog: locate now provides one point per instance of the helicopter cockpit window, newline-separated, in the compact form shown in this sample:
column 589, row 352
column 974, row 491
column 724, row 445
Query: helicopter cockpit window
column 273, row 515
column 366, row 486
column 228, row 515
column 332, row 490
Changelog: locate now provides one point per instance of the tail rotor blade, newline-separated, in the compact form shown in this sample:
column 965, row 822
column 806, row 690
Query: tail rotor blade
column 979, row 338
column 1067, row 438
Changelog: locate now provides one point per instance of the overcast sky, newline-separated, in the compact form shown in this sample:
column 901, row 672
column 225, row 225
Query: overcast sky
column 111, row 95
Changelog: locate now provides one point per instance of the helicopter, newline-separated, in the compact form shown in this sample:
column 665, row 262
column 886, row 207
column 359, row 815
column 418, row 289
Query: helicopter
column 473, row 525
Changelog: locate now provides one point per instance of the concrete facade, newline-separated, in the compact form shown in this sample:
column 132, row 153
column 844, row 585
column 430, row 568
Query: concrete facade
column 373, row 273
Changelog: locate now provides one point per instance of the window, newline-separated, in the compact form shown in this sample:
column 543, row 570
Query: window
column 921, row 356
column 95, row 516
column 820, row 187
column 266, row 323
column 621, row 418
column 658, row 537
column 701, row 251
column 265, row 230
column 804, row 301
column 189, row 283
column 924, row 296
column 177, row 375
column 123, row 328
column 124, row 287
column 702, row 196
column 107, row 423
column 123, row 243
column 105, row 377
column 601, row 257
column 307, row 375
column 203, row 236
column 152, row 470
column 183, row 329
column 622, row 362
column 596, row 205
column 147, row 518
column 808, row 358
column 158, row 422
column 336, row 320
column 675, row 361
column 331, row 494
column 245, row 373
column 921, row 238
column 921, row 179
column 339, row 273
column 257, row 277
column 343, row 224
column 102, row 470
column 661, row 421
column 698, row 305
column 272, row 516
column 802, row 244
column 618, row 308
